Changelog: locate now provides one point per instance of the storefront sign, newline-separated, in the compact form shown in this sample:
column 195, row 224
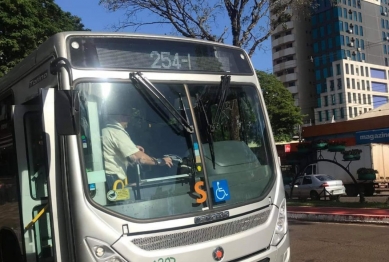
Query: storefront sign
column 373, row 136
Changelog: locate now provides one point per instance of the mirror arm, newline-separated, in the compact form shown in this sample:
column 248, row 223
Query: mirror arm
column 55, row 67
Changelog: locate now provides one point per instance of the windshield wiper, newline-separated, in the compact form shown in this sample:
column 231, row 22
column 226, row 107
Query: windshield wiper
column 221, row 98
column 140, row 81
column 209, row 128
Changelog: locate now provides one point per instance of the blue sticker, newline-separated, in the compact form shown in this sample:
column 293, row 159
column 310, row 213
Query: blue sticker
column 221, row 191
column 92, row 186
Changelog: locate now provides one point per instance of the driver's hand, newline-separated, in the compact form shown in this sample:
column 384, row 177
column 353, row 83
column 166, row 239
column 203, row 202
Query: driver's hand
column 168, row 161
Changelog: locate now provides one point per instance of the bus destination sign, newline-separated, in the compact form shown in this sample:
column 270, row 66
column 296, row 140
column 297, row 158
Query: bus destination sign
column 156, row 54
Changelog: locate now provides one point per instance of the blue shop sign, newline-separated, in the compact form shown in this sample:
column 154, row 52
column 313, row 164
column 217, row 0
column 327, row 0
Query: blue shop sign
column 373, row 136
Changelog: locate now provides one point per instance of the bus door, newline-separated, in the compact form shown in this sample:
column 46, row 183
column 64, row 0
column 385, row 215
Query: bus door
column 32, row 164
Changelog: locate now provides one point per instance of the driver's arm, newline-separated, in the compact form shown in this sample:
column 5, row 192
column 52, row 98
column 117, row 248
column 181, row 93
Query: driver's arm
column 145, row 159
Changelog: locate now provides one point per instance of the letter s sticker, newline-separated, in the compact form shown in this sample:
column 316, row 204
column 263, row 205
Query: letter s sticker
column 201, row 192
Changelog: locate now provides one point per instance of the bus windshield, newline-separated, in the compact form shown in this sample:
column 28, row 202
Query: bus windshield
column 142, row 163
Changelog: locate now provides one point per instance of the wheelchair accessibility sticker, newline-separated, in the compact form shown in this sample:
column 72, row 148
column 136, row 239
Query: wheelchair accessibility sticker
column 221, row 191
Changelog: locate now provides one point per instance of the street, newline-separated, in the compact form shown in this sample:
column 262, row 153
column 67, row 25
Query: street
column 330, row 242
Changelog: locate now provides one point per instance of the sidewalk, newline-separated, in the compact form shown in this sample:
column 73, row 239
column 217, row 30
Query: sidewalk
column 340, row 214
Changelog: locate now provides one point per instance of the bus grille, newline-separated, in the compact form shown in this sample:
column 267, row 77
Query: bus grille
column 201, row 235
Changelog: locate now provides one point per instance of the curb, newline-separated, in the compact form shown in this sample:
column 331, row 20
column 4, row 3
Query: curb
column 321, row 217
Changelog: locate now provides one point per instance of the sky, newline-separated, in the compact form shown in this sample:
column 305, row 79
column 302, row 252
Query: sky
column 97, row 18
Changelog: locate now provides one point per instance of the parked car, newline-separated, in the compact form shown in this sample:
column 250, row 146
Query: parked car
column 314, row 187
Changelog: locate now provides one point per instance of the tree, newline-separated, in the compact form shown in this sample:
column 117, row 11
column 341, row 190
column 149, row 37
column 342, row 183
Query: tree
column 25, row 24
column 283, row 114
column 248, row 23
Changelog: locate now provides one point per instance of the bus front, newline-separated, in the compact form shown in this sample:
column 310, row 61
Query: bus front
column 175, row 160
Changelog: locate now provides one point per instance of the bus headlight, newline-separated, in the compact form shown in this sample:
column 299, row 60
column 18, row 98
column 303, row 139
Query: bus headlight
column 102, row 252
column 281, row 225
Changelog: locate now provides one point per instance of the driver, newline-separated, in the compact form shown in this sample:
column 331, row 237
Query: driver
column 118, row 148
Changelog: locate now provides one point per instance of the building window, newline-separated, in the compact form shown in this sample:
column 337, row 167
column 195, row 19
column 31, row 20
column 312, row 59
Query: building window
column 325, row 73
column 320, row 116
column 369, row 99
column 379, row 101
column 322, row 33
column 362, row 73
column 364, row 99
column 325, row 100
column 363, row 84
column 340, row 98
column 349, row 97
column 354, row 98
column 358, row 86
column 355, row 111
column 318, row 75
column 378, row 73
column 352, row 69
column 348, row 82
column 379, row 87
column 316, row 47
column 341, row 112
column 353, row 83
column 334, row 113
column 318, row 89
column 327, row 115
column 338, row 11
column 332, row 85
column 365, row 110
column 339, row 83
column 360, row 17
column 347, row 71
column 361, row 31
column 350, row 112
column 329, row 29
column 338, row 70
column 359, row 99
column 368, row 85
column 333, row 100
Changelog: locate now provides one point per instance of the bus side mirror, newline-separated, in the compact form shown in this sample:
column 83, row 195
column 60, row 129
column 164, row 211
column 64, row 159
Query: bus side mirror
column 67, row 112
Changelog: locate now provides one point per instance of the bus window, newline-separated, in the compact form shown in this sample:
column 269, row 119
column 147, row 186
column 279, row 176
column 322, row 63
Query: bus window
column 143, row 191
column 241, row 148
column 36, row 156
column 8, row 166
column 37, row 169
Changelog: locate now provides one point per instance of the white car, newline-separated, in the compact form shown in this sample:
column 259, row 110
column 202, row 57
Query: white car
column 315, row 186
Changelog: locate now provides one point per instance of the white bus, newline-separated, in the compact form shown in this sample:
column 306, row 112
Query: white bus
column 126, row 147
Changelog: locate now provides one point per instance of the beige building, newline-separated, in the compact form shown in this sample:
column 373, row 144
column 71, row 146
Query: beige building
column 292, row 63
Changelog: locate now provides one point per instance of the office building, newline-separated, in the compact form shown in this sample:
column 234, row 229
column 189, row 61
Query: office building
column 350, row 51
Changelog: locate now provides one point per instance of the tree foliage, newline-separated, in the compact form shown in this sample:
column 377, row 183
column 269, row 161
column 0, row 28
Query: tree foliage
column 247, row 22
column 25, row 24
column 283, row 114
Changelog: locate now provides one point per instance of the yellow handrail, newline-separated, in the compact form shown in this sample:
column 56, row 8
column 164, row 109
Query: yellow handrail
column 33, row 221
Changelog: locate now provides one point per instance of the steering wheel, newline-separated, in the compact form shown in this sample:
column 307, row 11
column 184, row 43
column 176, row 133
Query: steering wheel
column 174, row 158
